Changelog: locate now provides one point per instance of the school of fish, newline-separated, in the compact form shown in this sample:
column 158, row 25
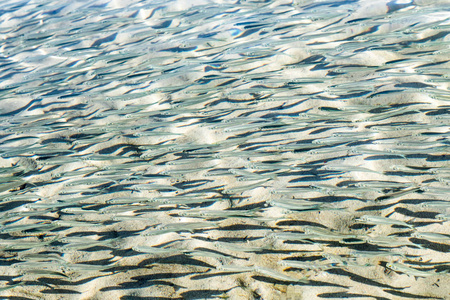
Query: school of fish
column 224, row 149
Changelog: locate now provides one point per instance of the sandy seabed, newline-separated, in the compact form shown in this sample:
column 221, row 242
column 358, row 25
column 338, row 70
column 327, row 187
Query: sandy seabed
column 224, row 150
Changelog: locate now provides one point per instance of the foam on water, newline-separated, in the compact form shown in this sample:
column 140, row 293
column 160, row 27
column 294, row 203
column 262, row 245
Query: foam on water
column 214, row 149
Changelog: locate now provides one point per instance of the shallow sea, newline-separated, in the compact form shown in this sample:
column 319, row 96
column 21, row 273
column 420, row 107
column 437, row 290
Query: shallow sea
column 224, row 149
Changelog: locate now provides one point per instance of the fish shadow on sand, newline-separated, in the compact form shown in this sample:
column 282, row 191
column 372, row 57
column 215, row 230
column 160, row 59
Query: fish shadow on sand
column 140, row 284
column 409, row 295
column 180, row 259
column 148, row 298
column 210, row 275
column 431, row 245
column 299, row 223
column 17, row 298
column 47, row 281
column 419, row 214
column 283, row 282
column 60, row 292
column 375, row 207
column 361, row 279
column 345, row 295
column 202, row 294
column 243, row 227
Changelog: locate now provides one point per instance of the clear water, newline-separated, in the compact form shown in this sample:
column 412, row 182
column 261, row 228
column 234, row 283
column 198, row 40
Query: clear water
column 214, row 149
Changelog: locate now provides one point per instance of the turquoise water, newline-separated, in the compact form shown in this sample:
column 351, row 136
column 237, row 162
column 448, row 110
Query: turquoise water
column 224, row 149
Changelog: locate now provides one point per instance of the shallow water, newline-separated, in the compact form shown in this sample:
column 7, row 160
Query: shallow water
column 214, row 149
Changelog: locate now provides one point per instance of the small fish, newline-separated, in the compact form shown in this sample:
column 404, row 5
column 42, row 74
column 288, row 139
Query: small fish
column 325, row 233
column 26, row 265
column 249, row 187
column 45, row 272
column 8, row 287
column 327, row 150
column 199, row 253
column 246, row 127
column 185, row 200
column 43, row 205
column 362, row 253
column 177, row 227
column 11, row 185
column 235, row 268
column 15, row 228
column 294, row 236
column 294, row 204
column 250, row 175
column 186, row 161
column 406, row 169
column 382, row 184
column 79, row 246
column 443, row 217
column 288, row 190
column 431, row 236
column 204, row 213
column 227, row 123
column 127, row 200
column 431, row 150
column 368, row 151
column 306, row 265
column 155, row 250
column 300, row 205
column 410, row 271
column 80, row 267
column 399, row 194
column 153, row 186
column 435, row 204
column 348, row 168
column 386, row 241
column 22, row 139
column 22, row 245
column 183, row 171
column 42, row 257
column 237, row 247
column 90, row 181
column 376, row 220
column 71, row 223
